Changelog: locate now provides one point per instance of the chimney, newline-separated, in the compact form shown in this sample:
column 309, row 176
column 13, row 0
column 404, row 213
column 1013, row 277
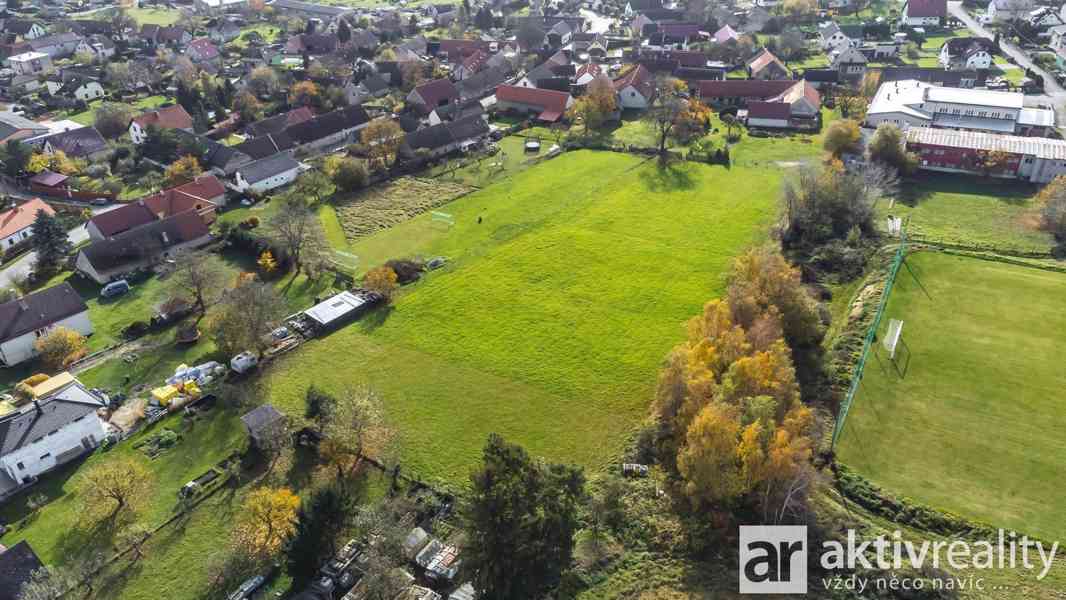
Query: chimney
column 166, row 240
column 23, row 305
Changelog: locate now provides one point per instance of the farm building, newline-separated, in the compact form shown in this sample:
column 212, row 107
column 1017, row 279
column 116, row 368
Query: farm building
column 916, row 104
column 340, row 309
column 1033, row 159
column 547, row 105
column 804, row 103
column 264, row 423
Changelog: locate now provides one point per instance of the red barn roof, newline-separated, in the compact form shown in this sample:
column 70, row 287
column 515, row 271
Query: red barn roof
column 170, row 117
column 552, row 103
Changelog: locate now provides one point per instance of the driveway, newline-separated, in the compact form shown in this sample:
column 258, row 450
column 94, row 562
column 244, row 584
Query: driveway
column 1054, row 95
column 597, row 22
column 24, row 265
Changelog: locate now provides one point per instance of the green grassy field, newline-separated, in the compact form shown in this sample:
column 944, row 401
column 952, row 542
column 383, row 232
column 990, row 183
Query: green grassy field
column 956, row 209
column 155, row 16
column 975, row 425
column 552, row 314
column 86, row 117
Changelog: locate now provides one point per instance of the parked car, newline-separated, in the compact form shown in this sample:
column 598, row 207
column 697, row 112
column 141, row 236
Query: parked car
column 99, row 202
column 115, row 288
column 244, row 362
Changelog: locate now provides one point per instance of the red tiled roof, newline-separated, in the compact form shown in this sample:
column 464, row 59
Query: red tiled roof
column 170, row 117
column 22, row 216
column 927, row 8
column 744, row 88
column 432, row 92
column 475, row 61
column 769, row 110
column 192, row 196
column 638, row 77
column 550, row 101
column 460, row 49
column 203, row 47
column 763, row 60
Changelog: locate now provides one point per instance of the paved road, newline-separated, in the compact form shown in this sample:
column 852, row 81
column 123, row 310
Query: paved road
column 23, row 266
column 1054, row 96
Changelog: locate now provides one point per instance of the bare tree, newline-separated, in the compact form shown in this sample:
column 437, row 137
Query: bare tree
column 246, row 316
column 199, row 277
column 296, row 229
column 664, row 112
column 354, row 428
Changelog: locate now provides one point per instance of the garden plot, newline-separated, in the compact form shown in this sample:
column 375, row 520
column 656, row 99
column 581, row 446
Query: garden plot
column 393, row 203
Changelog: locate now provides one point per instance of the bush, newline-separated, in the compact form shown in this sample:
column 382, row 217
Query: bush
column 406, row 269
column 135, row 330
column 839, row 258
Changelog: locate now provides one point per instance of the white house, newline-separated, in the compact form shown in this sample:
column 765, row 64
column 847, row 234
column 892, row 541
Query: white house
column 267, row 173
column 1000, row 11
column 99, row 46
column 170, row 117
column 923, row 13
column 16, row 223
column 81, row 89
column 58, row 425
column 833, row 37
column 24, row 320
column 966, row 54
column 30, row 63
column 635, row 89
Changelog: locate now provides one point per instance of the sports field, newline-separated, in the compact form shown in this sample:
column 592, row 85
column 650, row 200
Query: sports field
column 975, row 425
column 553, row 313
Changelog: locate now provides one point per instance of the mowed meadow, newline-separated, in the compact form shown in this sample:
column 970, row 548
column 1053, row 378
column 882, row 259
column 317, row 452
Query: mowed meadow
column 975, row 425
column 565, row 287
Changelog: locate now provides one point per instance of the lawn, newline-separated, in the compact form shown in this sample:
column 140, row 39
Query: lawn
column 268, row 31
column 155, row 16
column 510, row 160
column 86, row 117
column 975, row 425
column 957, row 209
column 566, row 286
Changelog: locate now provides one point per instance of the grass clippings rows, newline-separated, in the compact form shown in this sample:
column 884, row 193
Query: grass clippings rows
column 390, row 204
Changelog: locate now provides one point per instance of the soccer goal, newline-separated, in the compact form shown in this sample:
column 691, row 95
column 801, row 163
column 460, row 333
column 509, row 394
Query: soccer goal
column 442, row 219
column 896, row 347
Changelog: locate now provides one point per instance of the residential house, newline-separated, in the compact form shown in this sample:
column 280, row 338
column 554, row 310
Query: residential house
column 446, row 137
column 17, row 563
column 966, row 53
column 766, row 66
column 59, row 45
column 266, row 145
column 635, row 89
column 634, row 7
column 432, row 94
column 934, row 76
column 171, row 36
column 30, row 63
column 60, row 424
column 912, row 103
column 923, row 13
column 217, row 157
column 484, row 83
column 18, row 127
column 83, row 142
column 267, row 173
column 226, row 32
column 16, row 223
column 1002, row 11
column 443, row 15
column 821, row 78
column 1031, row 159
column 76, row 88
column 214, row 7
column 546, row 105
column 587, row 73
column 203, row 196
column 837, row 37
column 470, row 65
column 329, row 131
column 279, row 123
column 803, row 100
column 365, row 41
column 24, row 320
column 22, row 29
column 141, row 247
column 454, row 112
column 372, row 86
column 557, row 65
column 170, row 117
column 101, row 47
column 725, row 34
column 850, row 63
column 201, row 50
column 313, row 44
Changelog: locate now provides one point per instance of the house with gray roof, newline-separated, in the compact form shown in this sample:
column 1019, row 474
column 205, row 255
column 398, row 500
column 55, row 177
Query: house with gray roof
column 267, row 173
column 48, row 431
column 24, row 320
column 17, row 565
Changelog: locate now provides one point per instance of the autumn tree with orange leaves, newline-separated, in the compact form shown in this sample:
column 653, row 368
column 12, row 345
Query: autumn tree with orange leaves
column 732, row 425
